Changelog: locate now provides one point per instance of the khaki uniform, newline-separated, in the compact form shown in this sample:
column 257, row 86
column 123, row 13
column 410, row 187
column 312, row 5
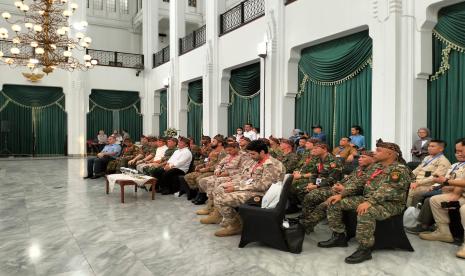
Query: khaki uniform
column 231, row 165
column 344, row 152
column 385, row 190
column 128, row 153
column 441, row 215
column 214, row 158
column 254, row 181
column 424, row 174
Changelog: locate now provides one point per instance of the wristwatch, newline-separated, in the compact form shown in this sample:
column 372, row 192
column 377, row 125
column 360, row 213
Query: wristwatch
column 446, row 183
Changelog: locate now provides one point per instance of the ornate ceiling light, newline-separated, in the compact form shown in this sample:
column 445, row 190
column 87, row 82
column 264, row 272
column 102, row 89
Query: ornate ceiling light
column 46, row 42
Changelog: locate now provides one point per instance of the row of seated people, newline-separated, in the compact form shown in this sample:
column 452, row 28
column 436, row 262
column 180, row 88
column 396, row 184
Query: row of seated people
column 376, row 189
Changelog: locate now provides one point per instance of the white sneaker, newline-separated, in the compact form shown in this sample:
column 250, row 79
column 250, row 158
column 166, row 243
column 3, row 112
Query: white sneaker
column 176, row 194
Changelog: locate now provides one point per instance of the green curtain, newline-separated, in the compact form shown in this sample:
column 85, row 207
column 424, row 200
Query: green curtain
column 194, row 114
column 163, row 118
column 446, row 89
column 353, row 105
column 244, row 93
column 111, row 109
column 335, row 87
column 36, row 120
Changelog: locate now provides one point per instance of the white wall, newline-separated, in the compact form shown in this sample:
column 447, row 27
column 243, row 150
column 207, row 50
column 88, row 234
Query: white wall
column 113, row 39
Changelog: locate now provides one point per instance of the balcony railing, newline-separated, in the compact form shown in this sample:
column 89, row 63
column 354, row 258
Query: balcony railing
column 117, row 59
column 161, row 57
column 26, row 51
column 241, row 14
column 193, row 40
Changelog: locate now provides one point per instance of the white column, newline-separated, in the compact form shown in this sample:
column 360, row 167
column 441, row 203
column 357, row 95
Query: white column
column 77, row 96
column 150, row 46
column 413, row 88
column 278, row 110
column 385, row 31
column 215, row 105
column 177, row 112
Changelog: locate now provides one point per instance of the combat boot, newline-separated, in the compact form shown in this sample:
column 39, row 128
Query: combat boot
column 360, row 255
column 442, row 233
column 337, row 240
column 207, row 210
column 213, row 218
column 461, row 252
column 235, row 228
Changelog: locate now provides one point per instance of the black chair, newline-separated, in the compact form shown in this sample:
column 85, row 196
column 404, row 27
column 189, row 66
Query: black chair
column 265, row 225
column 389, row 233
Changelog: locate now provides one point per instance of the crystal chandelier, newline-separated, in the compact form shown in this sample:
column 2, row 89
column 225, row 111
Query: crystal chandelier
column 45, row 42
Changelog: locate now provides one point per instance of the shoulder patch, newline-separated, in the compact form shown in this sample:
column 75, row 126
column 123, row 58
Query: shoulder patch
column 395, row 176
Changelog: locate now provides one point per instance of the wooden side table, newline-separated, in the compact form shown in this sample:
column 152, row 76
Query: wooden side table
column 122, row 183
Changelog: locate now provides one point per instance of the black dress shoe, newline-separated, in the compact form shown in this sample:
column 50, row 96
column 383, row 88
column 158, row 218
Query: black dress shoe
column 181, row 193
column 95, row 176
column 165, row 192
column 197, row 197
column 361, row 255
column 202, row 199
column 337, row 240
column 87, row 177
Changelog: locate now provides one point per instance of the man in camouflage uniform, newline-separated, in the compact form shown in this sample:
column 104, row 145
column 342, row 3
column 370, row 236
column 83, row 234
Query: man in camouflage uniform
column 383, row 196
column 228, row 167
column 312, row 215
column 243, row 142
column 207, row 169
column 324, row 173
column 289, row 158
column 254, row 181
column 158, row 155
column 205, row 147
column 146, row 152
column 128, row 153
column 157, row 170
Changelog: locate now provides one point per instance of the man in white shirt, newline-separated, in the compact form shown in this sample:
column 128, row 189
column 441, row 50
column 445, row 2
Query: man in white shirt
column 249, row 133
column 177, row 165
column 159, row 153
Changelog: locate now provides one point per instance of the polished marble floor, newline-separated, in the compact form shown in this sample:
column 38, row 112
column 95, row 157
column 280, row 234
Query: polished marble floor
column 52, row 222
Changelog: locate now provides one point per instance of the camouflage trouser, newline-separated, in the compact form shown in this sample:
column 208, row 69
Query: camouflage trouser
column 209, row 184
column 314, row 207
column 226, row 202
column 193, row 178
column 114, row 165
column 366, row 223
column 140, row 168
column 298, row 191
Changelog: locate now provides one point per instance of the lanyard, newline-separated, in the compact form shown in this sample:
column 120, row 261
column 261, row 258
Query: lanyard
column 374, row 175
column 432, row 159
column 457, row 166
